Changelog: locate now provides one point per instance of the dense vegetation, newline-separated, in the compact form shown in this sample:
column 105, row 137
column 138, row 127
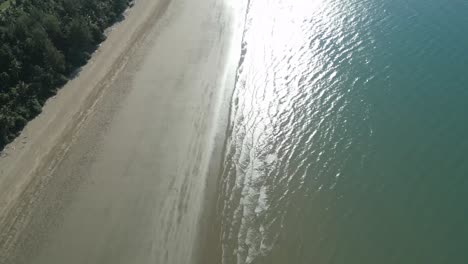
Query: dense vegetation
column 42, row 42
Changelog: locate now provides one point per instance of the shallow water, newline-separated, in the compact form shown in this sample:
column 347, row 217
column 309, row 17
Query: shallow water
column 347, row 137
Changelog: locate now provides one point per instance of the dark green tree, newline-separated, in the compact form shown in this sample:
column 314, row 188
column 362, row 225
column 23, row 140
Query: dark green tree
column 42, row 42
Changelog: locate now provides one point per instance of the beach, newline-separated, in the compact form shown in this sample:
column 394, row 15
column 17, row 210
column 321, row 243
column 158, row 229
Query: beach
column 115, row 169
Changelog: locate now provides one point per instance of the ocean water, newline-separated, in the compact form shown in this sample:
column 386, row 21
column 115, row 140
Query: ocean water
column 348, row 136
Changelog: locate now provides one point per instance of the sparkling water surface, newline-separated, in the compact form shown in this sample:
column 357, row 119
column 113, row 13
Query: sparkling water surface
column 348, row 134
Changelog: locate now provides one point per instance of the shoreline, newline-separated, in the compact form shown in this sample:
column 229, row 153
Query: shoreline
column 209, row 248
column 45, row 140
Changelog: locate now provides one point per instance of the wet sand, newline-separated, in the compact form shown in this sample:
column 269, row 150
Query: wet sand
column 115, row 169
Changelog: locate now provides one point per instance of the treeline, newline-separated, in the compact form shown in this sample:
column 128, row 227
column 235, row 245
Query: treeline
column 42, row 42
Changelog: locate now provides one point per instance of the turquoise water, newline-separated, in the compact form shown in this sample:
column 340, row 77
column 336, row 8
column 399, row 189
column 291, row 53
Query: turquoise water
column 348, row 134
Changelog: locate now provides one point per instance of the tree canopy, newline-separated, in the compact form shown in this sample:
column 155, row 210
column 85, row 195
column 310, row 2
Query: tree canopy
column 41, row 43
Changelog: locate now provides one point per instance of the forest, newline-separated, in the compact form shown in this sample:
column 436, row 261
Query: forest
column 42, row 43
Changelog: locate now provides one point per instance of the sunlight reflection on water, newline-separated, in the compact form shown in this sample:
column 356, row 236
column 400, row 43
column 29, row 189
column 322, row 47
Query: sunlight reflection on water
column 323, row 88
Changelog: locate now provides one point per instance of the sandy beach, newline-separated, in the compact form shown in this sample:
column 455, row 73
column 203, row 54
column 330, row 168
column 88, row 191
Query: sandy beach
column 115, row 168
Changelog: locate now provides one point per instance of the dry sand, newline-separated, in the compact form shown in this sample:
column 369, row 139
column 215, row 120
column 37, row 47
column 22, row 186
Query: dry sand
column 115, row 168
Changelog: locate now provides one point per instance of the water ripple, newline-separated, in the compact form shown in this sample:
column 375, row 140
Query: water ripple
column 314, row 114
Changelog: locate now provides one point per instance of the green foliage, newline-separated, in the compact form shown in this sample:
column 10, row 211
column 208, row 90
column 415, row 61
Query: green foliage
column 42, row 42
column 4, row 4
